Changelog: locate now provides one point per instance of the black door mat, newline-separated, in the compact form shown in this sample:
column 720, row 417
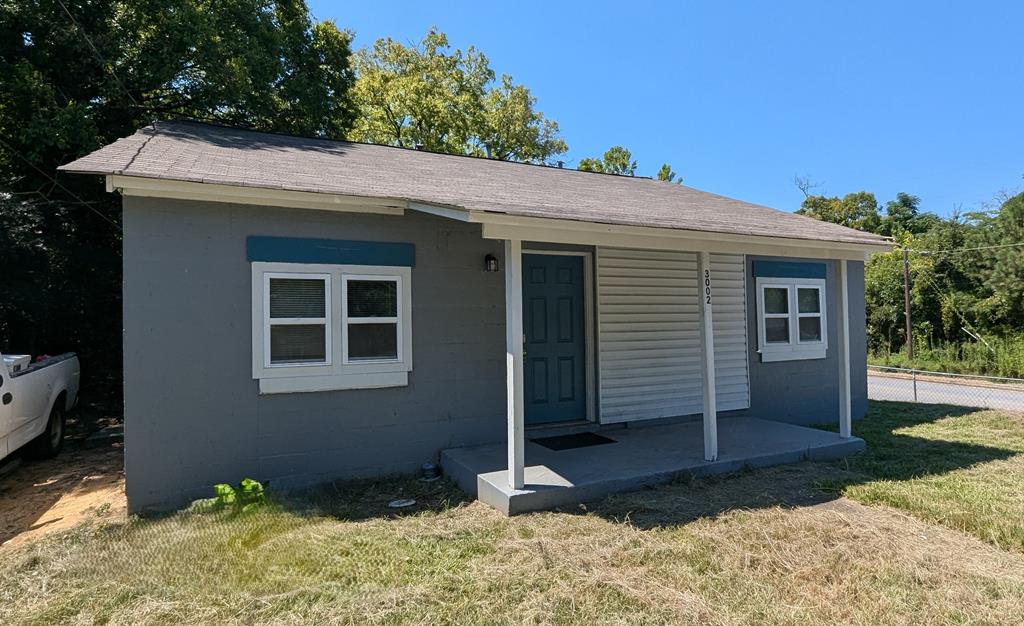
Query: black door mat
column 568, row 442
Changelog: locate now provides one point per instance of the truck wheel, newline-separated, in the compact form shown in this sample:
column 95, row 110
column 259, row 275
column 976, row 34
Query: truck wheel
column 48, row 444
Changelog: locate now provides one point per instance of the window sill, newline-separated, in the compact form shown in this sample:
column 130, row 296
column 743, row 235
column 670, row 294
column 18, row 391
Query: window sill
column 803, row 354
column 308, row 384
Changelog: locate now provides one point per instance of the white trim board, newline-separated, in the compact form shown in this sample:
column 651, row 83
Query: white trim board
column 497, row 225
column 665, row 239
column 138, row 186
column 336, row 374
column 548, row 230
column 794, row 349
column 845, row 399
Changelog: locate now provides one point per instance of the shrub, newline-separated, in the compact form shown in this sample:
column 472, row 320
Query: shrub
column 248, row 495
column 997, row 356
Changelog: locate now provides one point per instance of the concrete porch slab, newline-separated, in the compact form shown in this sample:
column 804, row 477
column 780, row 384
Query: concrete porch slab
column 639, row 457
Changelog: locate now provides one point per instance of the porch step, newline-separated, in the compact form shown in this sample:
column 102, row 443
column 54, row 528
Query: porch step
column 640, row 458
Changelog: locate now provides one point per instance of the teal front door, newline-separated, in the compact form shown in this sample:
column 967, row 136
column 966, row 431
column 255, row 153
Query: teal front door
column 554, row 349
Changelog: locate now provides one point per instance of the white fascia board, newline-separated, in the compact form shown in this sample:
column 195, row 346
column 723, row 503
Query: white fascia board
column 236, row 194
column 547, row 230
column 585, row 233
column 450, row 212
column 594, row 227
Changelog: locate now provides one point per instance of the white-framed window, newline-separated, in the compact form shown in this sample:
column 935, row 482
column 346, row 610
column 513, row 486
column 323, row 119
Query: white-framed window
column 323, row 327
column 370, row 319
column 296, row 320
column 791, row 319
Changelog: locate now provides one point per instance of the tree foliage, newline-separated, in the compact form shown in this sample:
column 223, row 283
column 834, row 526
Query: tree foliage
column 856, row 210
column 616, row 160
column 1003, row 268
column 967, row 274
column 665, row 173
column 903, row 215
column 448, row 100
column 73, row 80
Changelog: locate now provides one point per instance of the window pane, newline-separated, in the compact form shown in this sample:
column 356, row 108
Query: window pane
column 304, row 343
column 372, row 298
column 297, row 297
column 776, row 300
column 808, row 301
column 810, row 329
column 776, row 330
column 372, row 341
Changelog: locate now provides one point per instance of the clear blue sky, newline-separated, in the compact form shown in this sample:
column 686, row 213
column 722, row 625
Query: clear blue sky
column 923, row 97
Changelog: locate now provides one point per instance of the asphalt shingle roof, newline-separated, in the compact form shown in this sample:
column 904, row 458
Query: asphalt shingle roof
column 187, row 151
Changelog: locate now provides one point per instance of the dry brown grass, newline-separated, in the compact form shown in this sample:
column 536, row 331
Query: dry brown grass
column 941, row 544
column 637, row 559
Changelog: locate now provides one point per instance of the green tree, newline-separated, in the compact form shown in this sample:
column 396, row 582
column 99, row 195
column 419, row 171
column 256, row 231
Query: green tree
column 904, row 215
column 74, row 79
column 513, row 130
column 616, row 160
column 448, row 101
column 856, row 210
column 1003, row 266
column 666, row 174
column 883, row 294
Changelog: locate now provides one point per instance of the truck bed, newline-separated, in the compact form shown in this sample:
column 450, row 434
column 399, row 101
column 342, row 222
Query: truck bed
column 38, row 365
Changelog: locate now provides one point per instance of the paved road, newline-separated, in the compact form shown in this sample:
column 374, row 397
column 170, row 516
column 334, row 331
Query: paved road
column 929, row 392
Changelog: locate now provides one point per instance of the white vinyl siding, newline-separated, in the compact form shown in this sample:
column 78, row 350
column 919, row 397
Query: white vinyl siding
column 729, row 311
column 648, row 333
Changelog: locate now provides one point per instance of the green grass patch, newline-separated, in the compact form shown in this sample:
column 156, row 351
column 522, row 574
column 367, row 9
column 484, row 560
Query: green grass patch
column 960, row 467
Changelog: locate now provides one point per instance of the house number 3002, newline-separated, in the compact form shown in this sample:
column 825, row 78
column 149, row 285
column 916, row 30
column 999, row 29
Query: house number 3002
column 707, row 285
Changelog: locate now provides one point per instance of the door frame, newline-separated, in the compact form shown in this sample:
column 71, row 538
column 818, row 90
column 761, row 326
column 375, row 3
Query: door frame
column 590, row 374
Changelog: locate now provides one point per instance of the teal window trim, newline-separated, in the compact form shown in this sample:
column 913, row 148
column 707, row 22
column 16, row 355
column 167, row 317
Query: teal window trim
column 788, row 269
column 329, row 251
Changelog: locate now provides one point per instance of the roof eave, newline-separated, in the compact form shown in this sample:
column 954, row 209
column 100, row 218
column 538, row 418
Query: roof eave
column 495, row 225
column 551, row 230
column 211, row 191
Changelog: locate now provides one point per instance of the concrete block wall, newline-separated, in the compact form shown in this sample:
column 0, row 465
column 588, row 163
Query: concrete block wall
column 193, row 415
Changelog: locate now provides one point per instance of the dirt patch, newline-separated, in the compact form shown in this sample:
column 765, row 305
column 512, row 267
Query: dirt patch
column 38, row 497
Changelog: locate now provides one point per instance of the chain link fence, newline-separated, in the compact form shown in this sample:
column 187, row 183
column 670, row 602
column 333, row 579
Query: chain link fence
column 927, row 387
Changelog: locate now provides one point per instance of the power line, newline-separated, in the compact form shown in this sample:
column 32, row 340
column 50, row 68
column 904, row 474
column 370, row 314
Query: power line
column 952, row 304
column 96, row 51
column 957, row 250
column 85, row 203
column 110, row 68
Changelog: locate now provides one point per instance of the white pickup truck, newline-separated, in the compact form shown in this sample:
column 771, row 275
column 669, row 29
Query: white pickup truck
column 34, row 397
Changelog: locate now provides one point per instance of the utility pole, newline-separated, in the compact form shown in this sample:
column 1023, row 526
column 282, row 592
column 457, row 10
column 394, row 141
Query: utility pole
column 906, row 303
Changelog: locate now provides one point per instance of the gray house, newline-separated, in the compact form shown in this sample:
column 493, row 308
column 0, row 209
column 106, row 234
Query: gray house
column 298, row 310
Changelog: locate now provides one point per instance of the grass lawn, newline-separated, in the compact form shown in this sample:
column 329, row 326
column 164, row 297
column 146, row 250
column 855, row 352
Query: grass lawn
column 940, row 543
column 962, row 468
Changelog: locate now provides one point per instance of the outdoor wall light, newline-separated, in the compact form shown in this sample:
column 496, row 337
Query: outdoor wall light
column 490, row 263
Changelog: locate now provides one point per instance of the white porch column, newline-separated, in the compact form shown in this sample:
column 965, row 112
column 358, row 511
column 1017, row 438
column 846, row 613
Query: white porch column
column 707, row 344
column 844, row 351
column 514, row 360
